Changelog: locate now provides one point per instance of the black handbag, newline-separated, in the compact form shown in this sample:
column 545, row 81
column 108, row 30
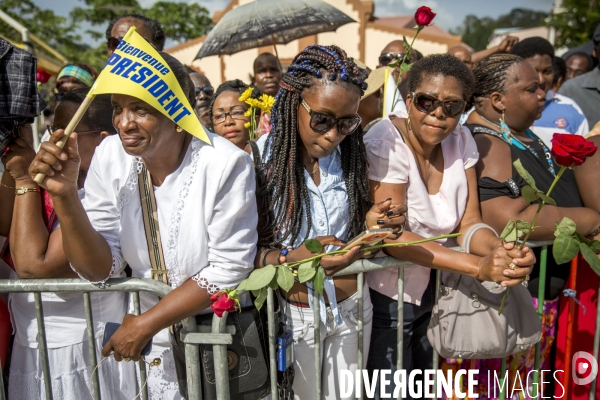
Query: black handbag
column 247, row 356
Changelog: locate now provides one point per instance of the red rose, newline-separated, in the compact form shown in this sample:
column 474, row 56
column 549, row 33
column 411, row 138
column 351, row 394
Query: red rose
column 42, row 76
column 571, row 150
column 424, row 16
column 221, row 302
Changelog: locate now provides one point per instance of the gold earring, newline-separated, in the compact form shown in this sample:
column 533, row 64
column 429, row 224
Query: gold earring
column 179, row 129
column 408, row 123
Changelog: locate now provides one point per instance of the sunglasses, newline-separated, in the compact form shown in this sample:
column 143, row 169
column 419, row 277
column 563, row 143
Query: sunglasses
column 322, row 123
column 113, row 42
column 387, row 58
column 209, row 90
column 427, row 103
column 52, row 128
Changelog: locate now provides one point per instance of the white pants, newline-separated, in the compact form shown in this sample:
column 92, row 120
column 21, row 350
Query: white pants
column 339, row 346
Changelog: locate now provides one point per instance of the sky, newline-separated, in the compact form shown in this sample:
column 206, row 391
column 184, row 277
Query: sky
column 450, row 13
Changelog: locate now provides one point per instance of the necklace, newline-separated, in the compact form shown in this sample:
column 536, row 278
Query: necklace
column 523, row 146
column 315, row 169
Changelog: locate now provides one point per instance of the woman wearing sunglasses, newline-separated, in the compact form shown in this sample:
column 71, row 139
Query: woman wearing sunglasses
column 427, row 161
column 317, row 188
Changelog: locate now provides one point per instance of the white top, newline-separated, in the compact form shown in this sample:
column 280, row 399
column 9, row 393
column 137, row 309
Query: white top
column 64, row 314
column 561, row 115
column 206, row 211
column 391, row 161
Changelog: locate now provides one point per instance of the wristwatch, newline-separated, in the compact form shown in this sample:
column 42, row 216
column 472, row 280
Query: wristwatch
column 23, row 190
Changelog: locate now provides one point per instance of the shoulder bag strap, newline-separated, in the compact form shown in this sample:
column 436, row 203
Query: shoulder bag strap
column 150, row 214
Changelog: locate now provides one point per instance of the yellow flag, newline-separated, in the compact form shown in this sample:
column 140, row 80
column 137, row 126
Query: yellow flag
column 137, row 69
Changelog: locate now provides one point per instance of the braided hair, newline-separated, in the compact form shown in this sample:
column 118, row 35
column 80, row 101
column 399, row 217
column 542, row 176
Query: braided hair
column 285, row 193
column 490, row 75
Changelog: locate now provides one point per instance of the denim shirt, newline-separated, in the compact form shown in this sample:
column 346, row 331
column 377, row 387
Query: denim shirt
column 329, row 215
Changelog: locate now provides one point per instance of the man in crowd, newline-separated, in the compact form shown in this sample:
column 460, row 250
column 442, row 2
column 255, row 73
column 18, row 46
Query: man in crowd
column 578, row 63
column 267, row 73
column 463, row 54
column 148, row 28
column 204, row 92
column 391, row 53
column 561, row 114
column 585, row 89
column 504, row 47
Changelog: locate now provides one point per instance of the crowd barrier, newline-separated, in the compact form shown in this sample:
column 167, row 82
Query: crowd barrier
column 219, row 335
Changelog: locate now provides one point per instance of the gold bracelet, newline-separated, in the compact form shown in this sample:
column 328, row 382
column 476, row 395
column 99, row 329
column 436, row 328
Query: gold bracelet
column 6, row 186
column 23, row 190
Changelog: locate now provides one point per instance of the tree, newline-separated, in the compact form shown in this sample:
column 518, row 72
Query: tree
column 476, row 32
column 576, row 22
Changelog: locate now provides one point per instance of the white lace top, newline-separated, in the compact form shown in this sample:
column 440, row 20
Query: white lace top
column 206, row 209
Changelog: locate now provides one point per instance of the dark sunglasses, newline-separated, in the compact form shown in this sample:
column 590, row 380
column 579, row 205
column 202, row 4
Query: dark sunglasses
column 386, row 58
column 427, row 103
column 209, row 90
column 51, row 129
column 322, row 123
column 113, row 42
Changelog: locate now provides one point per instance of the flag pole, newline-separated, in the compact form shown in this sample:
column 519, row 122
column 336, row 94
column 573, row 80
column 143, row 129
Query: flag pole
column 69, row 129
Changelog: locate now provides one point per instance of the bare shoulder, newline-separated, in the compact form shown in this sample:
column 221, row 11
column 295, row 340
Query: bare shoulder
column 494, row 158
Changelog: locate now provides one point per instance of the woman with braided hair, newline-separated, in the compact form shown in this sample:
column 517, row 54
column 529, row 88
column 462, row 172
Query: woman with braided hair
column 427, row 161
column 317, row 188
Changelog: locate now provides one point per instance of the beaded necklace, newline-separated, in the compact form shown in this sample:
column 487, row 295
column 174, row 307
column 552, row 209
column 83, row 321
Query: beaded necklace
column 523, row 146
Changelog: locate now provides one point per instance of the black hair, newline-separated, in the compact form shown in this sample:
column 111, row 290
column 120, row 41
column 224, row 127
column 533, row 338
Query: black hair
column 559, row 67
column 533, row 46
column 590, row 61
column 235, row 85
column 490, row 75
column 99, row 113
column 158, row 35
column 265, row 55
column 182, row 75
column 441, row 64
column 286, row 195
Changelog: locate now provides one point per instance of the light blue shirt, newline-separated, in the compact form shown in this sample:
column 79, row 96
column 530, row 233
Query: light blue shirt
column 329, row 214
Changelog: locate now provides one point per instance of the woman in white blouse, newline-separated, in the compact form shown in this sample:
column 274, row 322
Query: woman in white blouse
column 426, row 161
column 206, row 211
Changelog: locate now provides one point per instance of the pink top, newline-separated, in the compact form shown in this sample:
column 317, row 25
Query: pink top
column 391, row 161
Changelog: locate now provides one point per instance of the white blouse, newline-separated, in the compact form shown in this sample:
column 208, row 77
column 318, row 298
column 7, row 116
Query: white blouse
column 206, row 210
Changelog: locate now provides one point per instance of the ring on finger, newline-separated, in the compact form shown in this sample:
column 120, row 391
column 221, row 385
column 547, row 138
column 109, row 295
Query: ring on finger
column 126, row 359
column 512, row 266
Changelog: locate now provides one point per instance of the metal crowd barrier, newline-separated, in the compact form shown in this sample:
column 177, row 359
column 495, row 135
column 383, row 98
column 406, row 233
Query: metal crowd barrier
column 220, row 335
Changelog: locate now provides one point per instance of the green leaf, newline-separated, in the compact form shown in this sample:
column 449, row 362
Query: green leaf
column 566, row 226
column 273, row 284
column 405, row 67
column 590, row 257
column 314, row 246
column 510, row 226
column 523, row 172
column 319, row 281
column 261, row 277
column 306, row 271
column 565, row 248
column 595, row 246
column 260, row 299
column 523, row 226
column 394, row 64
column 529, row 194
column 255, row 293
column 285, row 278
column 547, row 199
column 243, row 285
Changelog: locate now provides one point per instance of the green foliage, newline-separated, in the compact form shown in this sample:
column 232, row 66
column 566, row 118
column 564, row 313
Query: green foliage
column 181, row 21
column 515, row 230
column 307, row 270
column 476, row 32
column 285, row 278
column 565, row 248
column 319, row 281
column 259, row 278
column 261, row 296
column 314, row 246
column 566, row 226
column 524, row 174
column 576, row 22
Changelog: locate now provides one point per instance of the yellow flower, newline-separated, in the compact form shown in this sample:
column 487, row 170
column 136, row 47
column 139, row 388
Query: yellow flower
column 248, row 112
column 267, row 103
column 246, row 94
column 247, row 125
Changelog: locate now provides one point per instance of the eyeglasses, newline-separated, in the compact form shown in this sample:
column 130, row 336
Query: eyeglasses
column 113, row 42
column 52, row 128
column 234, row 113
column 322, row 123
column 209, row 90
column 386, row 58
column 427, row 103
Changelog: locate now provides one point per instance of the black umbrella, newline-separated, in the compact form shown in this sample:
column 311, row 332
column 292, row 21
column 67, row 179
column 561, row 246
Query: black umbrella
column 266, row 22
